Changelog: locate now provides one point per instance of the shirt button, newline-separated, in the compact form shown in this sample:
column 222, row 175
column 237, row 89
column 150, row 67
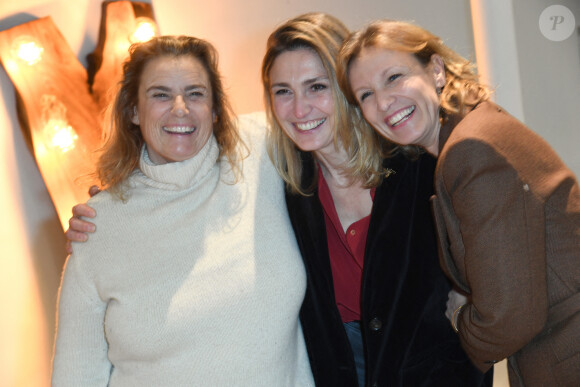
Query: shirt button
column 353, row 232
column 375, row 324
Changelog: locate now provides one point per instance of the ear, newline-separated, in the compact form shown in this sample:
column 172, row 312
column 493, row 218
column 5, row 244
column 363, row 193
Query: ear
column 135, row 116
column 214, row 116
column 438, row 70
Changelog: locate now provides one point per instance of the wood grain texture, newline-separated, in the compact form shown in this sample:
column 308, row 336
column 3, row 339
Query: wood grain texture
column 59, row 91
column 117, row 25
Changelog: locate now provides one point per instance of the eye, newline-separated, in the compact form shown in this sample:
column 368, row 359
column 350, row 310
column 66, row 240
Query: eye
column 195, row 94
column 394, row 77
column 281, row 92
column 319, row 87
column 364, row 96
column 160, row 95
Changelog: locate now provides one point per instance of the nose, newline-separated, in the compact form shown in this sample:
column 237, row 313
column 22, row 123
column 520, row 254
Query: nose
column 179, row 108
column 384, row 99
column 301, row 106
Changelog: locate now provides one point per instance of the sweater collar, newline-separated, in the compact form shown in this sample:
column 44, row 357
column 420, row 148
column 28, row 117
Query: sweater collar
column 183, row 174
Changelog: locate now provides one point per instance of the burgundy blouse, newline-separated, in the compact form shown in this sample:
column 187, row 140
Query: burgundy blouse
column 346, row 252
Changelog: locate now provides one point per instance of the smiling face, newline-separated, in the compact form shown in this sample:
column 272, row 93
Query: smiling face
column 398, row 95
column 174, row 109
column 302, row 99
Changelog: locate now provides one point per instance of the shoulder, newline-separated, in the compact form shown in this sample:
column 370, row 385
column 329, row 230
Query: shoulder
column 257, row 167
column 409, row 177
column 488, row 132
column 114, row 214
column 402, row 165
column 252, row 127
column 118, row 225
column 257, row 118
column 105, row 203
column 490, row 124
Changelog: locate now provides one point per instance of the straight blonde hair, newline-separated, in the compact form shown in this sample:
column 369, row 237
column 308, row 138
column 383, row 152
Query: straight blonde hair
column 323, row 34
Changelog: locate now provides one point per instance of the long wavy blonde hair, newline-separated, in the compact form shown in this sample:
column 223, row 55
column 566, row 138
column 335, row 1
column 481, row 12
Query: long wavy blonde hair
column 462, row 88
column 119, row 156
column 323, row 34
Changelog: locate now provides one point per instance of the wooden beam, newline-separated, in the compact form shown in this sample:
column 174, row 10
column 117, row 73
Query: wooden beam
column 53, row 94
column 57, row 96
column 118, row 23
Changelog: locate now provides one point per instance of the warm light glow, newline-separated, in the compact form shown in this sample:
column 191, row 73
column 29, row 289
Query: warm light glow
column 27, row 50
column 145, row 30
column 63, row 137
column 122, row 48
column 58, row 132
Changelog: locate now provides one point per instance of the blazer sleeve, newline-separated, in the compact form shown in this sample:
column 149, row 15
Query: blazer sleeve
column 80, row 355
column 500, row 249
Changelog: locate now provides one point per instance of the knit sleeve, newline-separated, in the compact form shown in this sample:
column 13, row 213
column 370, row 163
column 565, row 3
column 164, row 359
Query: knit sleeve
column 80, row 355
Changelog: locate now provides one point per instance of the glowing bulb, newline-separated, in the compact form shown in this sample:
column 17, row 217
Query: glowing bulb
column 63, row 136
column 58, row 133
column 145, row 30
column 27, row 50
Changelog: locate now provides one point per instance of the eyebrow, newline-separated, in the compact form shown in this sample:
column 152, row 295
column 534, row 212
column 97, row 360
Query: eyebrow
column 165, row 88
column 309, row 81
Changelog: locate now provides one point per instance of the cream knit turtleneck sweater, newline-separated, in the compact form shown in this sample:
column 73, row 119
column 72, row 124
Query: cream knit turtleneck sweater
column 194, row 281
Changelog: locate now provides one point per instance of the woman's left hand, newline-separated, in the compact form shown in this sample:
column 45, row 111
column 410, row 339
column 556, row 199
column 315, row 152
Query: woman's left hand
column 454, row 301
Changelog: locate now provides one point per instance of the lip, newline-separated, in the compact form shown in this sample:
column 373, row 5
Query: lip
column 309, row 125
column 400, row 117
column 179, row 129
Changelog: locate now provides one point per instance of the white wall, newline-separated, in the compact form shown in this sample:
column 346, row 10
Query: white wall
column 32, row 242
column 550, row 78
column 535, row 78
column 239, row 30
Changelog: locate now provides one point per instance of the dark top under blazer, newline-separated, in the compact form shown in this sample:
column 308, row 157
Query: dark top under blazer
column 408, row 341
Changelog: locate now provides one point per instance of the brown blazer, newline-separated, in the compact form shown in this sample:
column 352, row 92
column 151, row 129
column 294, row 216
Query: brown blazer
column 508, row 218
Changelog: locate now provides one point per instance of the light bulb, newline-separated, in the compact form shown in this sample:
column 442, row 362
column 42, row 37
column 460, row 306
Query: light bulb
column 57, row 131
column 27, row 49
column 145, row 29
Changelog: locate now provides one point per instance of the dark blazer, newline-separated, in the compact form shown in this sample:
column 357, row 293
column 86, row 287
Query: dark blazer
column 508, row 216
column 408, row 341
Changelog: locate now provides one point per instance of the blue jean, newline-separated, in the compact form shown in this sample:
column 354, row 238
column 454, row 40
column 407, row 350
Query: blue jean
column 354, row 335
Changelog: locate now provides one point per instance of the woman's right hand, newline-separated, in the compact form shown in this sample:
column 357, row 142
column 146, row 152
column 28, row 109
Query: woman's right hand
column 455, row 302
column 78, row 228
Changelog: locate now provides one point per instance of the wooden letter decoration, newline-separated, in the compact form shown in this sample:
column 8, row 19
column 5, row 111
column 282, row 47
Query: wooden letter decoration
column 59, row 102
